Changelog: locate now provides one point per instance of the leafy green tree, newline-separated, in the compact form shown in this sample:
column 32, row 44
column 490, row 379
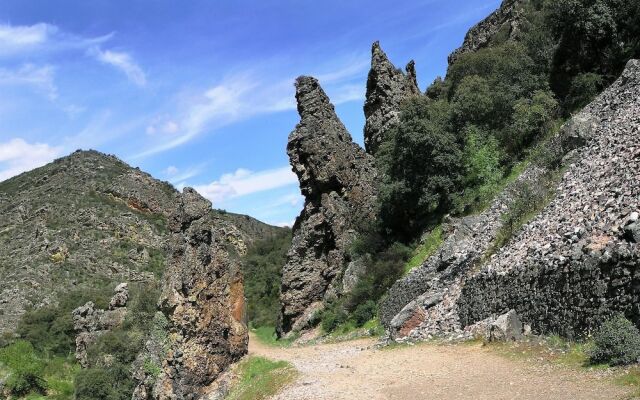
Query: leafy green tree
column 421, row 165
column 25, row 368
column 483, row 168
column 533, row 119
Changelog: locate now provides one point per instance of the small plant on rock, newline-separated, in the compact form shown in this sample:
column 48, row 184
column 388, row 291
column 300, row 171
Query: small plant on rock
column 617, row 342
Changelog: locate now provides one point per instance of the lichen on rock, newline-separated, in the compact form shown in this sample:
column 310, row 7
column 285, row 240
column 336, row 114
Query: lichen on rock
column 203, row 301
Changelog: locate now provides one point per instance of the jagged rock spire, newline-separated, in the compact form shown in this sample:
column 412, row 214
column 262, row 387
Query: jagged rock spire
column 387, row 88
column 337, row 178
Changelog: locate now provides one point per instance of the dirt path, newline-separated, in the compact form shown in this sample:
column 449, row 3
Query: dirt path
column 356, row 370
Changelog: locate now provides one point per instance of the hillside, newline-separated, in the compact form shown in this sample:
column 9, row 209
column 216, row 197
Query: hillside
column 88, row 220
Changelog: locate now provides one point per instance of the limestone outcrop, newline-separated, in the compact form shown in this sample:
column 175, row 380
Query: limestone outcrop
column 565, row 271
column 387, row 88
column 203, row 302
column 337, row 179
column 505, row 20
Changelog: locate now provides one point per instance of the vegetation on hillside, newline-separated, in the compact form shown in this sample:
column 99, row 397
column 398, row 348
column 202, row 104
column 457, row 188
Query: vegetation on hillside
column 41, row 359
column 262, row 270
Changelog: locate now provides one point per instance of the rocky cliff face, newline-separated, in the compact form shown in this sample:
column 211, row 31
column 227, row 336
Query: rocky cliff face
column 566, row 270
column 88, row 220
column 203, row 301
column 387, row 88
column 505, row 21
column 337, row 179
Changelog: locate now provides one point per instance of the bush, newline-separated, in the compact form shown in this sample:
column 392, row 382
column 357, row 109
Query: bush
column 99, row 383
column 333, row 316
column 26, row 368
column 364, row 312
column 617, row 342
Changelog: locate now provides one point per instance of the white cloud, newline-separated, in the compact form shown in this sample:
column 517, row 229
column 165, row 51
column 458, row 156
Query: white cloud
column 123, row 62
column 41, row 38
column 17, row 156
column 285, row 224
column 40, row 78
column 243, row 182
column 165, row 127
column 242, row 96
column 179, row 177
column 171, row 170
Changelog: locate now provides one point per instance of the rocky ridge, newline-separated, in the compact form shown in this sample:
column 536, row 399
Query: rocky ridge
column 387, row 88
column 337, row 178
column 505, row 21
column 569, row 268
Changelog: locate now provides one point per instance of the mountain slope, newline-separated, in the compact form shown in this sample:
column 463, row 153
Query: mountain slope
column 88, row 220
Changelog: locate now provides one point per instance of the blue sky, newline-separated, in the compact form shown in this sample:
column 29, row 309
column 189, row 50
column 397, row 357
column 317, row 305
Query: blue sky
column 200, row 93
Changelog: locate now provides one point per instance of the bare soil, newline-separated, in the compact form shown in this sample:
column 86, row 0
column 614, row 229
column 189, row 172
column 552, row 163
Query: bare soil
column 358, row 370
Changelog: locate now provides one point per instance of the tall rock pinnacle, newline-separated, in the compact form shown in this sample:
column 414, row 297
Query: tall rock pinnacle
column 337, row 179
column 387, row 88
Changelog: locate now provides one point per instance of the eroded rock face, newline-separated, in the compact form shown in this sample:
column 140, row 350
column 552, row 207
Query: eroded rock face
column 506, row 20
column 203, row 301
column 337, row 179
column 387, row 88
column 90, row 322
column 568, row 269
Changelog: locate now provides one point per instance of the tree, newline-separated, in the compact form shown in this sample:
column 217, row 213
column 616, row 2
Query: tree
column 421, row 164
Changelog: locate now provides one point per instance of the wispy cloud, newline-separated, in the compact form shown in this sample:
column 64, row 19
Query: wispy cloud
column 243, row 96
column 244, row 182
column 179, row 176
column 123, row 62
column 17, row 156
column 41, row 78
column 41, row 38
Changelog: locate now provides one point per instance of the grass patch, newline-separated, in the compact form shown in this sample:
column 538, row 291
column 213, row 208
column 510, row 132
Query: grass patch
column 260, row 378
column 267, row 335
column 426, row 249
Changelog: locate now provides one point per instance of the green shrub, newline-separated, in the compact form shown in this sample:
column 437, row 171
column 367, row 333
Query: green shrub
column 333, row 316
column 364, row 312
column 26, row 368
column 617, row 342
column 99, row 383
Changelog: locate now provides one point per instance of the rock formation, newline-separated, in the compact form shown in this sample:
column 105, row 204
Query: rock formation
column 387, row 88
column 337, row 179
column 505, row 20
column 566, row 270
column 203, row 301
column 90, row 322
column 83, row 220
